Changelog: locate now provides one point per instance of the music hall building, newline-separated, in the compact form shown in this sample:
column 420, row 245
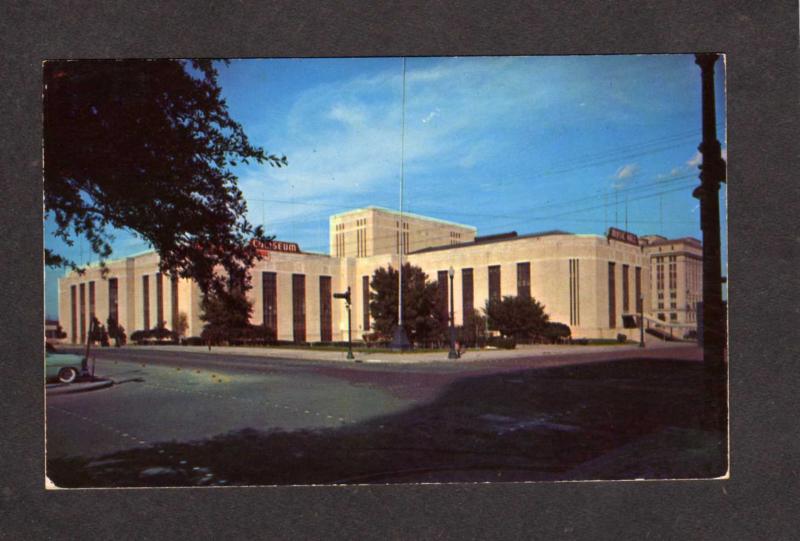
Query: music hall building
column 589, row 282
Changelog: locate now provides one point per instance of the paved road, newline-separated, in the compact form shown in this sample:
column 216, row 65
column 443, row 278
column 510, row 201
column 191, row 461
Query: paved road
column 174, row 396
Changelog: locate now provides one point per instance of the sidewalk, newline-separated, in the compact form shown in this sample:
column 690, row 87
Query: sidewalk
column 422, row 356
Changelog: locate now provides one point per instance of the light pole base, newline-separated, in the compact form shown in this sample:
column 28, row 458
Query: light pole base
column 400, row 340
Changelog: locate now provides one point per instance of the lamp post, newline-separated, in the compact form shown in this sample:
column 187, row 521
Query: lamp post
column 453, row 353
column 346, row 297
column 640, row 301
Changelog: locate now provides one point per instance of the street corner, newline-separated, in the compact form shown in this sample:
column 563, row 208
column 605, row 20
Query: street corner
column 53, row 389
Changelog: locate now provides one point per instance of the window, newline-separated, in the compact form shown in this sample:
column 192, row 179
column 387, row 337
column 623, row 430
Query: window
column 441, row 296
column 612, row 296
column 524, row 280
column 659, row 275
column 269, row 296
column 625, row 292
column 159, row 300
column 673, row 274
column 91, row 301
column 113, row 299
column 638, row 285
column 146, row 302
column 673, row 317
column 660, row 305
column 494, row 282
column 467, row 298
column 325, row 312
column 174, row 301
column 365, row 300
column 299, row 307
column 660, row 295
column 574, row 292
column 82, row 308
column 673, row 305
column 73, row 305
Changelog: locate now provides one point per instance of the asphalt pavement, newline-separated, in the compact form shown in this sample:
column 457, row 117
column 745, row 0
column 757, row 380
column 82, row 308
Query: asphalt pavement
column 361, row 415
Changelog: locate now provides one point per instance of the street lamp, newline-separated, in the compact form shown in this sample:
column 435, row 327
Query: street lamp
column 453, row 353
column 640, row 301
column 346, row 297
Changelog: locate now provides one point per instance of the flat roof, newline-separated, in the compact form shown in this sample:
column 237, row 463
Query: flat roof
column 405, row 214
column 554, row 232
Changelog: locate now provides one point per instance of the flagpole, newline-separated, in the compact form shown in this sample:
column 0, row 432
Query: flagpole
column 400, row 340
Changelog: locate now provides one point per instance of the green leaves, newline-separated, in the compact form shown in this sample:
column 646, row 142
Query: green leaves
column 517, row 317
column 145, row 146
column 419, row 303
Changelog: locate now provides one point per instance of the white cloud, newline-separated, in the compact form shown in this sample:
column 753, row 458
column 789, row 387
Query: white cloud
column 695, row 160
column 626, row 171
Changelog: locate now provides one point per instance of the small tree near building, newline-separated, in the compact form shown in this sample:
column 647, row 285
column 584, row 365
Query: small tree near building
column 516, row 317
column 419, row 304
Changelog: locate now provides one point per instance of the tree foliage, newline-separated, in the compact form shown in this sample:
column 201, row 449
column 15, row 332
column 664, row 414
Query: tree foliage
column 516, row 316
column 420, row 312
column 148, row 146
column 226, row 309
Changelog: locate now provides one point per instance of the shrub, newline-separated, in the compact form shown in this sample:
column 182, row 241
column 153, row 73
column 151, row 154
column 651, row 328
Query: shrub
column 555, row 332
column 192, row 341
column 621, row 338
column 501, row 342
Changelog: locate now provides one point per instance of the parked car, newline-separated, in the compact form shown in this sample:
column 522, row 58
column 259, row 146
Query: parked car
column 61, row 367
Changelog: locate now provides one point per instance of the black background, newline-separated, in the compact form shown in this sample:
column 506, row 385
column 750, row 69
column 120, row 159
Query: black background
column 761, row 41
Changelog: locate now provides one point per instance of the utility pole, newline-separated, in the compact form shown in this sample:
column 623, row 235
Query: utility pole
column 712, row 173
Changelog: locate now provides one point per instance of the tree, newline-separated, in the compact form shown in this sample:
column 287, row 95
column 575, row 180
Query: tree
column 181, row 324
column 516, row 317
column 147, row 145
column 419, row 303
column 226, row 312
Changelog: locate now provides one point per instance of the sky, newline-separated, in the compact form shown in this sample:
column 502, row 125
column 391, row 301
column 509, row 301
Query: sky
column 526, row 144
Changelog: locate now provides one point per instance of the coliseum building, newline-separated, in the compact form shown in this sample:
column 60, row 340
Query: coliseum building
column 589, row 282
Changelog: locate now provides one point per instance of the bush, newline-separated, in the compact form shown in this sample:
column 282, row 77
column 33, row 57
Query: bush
column 237, row 336
column 621, row 338
column 501, row 342
column 159, row 335
column 192, row 341
column 555, row 332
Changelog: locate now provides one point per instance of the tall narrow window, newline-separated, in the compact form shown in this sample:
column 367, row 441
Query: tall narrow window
column 299, row 307
column 365, row 300
column 325, row 311
column 146, row 301
column 174, row 301
column 73, row 304
column 574, row 292
column 625, row 292
column 91, row 301
column 442, row 296
column 467, row 294
column 269, row 295
column 82, row 305
column 612, row 296
column 638, row 287
column 494, row 282
column 524, row 280
column 159, row 300
column 113, row 299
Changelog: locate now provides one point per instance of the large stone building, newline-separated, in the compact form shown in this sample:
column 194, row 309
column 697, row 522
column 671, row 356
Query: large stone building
column 589, row 282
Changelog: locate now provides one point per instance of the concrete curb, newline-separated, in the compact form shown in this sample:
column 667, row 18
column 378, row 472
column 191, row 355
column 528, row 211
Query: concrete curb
column 54, row 389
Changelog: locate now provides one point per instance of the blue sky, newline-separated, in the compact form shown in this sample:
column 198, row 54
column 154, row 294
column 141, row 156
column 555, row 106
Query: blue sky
column 500, row 143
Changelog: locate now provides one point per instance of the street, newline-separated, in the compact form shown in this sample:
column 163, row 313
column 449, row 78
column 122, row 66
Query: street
column 192, row 418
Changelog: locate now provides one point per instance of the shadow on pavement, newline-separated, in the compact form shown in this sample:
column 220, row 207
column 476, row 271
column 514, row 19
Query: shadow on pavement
column 615, row 420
